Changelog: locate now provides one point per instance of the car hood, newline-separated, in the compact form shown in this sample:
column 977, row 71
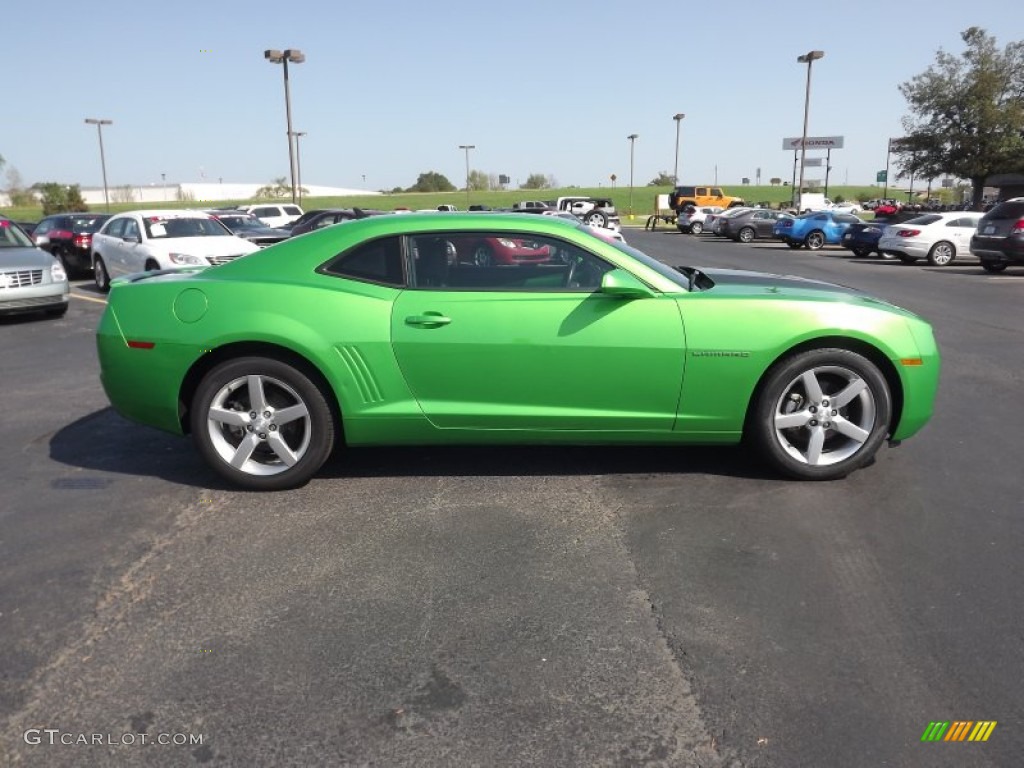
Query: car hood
column 24, row 258
column 738, row 282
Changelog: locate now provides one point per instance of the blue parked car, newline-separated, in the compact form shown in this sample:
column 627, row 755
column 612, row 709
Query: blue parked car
column 815, row 230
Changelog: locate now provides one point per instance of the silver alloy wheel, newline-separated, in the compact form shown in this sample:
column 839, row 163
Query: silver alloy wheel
column 259, row 425
column 824, row 416
column 815, row 241
column 99, row 274
column 746, row 235
column 696, row 227
column 941, row 254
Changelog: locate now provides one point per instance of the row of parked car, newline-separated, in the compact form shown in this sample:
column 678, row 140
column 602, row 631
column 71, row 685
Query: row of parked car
column 996, row 238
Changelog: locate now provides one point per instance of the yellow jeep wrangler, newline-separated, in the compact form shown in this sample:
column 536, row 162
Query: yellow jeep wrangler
column 701, row 196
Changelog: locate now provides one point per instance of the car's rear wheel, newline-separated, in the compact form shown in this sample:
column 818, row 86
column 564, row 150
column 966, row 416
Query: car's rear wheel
column 100, row 275
column 261, row 423
column 745, row 235
column 62, row 256
column 860, row 252
column 821, row 414
column 941, row 254
column 815, row 241
column 993, row 266
column 696, row 228
column 596, row 219
column 483, row 256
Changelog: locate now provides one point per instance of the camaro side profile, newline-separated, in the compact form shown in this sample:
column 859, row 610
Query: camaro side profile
column 387, row 331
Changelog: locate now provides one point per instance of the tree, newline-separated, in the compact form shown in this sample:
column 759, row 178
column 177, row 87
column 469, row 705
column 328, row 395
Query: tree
column 279, row 187
column 58, row 198
column 19, row 196
column 432, row 181
column 535, row 181
column 123, row 194
column 966, row 114
column 775, row 181
column 479, row 180
column 663, row 179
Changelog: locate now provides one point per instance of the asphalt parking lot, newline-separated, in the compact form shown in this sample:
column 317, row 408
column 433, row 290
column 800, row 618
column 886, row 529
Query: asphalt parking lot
column 528, row 606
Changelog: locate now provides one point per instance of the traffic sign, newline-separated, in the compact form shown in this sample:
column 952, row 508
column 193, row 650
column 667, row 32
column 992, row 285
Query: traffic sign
column 881, row 176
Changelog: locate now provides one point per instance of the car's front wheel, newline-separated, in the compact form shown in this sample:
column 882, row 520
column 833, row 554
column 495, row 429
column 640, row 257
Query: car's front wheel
column 794, row 245
column 696, row 228
column 261, row 423
column 941, row 254
column 482, row 256
column 596, row 219
column 815, row 241
column 100, row 275
column 821, row 414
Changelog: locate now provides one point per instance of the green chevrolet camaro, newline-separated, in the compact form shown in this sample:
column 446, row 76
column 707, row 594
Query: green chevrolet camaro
column 500, row 329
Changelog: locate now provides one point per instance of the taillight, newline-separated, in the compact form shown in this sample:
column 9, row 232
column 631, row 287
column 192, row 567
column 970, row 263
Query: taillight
column 786, row 223
column 82, row 241
column 908, row 233
column 1018, row 227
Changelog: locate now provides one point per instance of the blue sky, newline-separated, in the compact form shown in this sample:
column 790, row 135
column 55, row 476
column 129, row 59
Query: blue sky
column 389, row 90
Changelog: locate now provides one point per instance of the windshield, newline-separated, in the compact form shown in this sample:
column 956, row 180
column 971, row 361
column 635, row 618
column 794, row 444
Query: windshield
column 87, row 225
column 672, row 273
column 159, row 228
column 11, row 236
column 236, row 223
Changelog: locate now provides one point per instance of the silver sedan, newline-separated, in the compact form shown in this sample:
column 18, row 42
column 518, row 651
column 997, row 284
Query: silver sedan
column 31, row 280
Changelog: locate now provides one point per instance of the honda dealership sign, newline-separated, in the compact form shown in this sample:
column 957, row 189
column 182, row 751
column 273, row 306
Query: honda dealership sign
column 814, row 142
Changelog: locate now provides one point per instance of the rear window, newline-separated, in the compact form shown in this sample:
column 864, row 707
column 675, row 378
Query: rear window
column 379, row 261
column 292, row 210
column 1014, row 210
column 928, row 218
column 88, row 225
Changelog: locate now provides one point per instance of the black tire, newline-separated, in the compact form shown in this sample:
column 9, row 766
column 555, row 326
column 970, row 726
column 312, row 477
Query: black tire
column 696, row 227
column 596, row 219
column 746, row 235
column 61, row 255
column 483, row 256
column 815, row 240
column 793, row 245
column 993, row 266
column 860, row 252
column 942, row 254
column 797, row 430
column 100, row 275
column 306, row 439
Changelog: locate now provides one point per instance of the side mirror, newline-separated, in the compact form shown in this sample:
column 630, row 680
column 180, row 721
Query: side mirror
column 619, row 282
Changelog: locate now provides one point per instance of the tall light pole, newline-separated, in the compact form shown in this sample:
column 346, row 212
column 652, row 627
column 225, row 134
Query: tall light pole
column 295, row 56
column 808, row 58
column 679, row 119
column 632, row 143
column 298, row 161
column 467, row 147
column 103, row 160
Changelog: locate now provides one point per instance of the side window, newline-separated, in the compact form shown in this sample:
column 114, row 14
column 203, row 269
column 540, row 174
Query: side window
column 292, row 210
column 115, row 228
column 131, row 229
column 43, row 227
column 379, row 261
column 502, row 261
column 266, row 212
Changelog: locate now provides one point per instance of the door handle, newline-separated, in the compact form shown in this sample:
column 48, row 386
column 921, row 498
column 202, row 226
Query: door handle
column 428, row 320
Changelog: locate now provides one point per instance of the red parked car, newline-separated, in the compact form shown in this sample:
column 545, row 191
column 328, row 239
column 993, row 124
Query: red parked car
column 490, row 251
column 68, row 236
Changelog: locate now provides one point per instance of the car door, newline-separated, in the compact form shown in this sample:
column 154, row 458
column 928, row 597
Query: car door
column 961, row 231
column 763, row 222
column 108, row 245
column 533, row 346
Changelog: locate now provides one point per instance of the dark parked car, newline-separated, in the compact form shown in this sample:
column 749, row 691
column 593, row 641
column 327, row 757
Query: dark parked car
column 247, row 226
column 999, row 240
column 68, row 236
column 329, row 217
column 750, row 225
column 28, row 227
column 863, row 238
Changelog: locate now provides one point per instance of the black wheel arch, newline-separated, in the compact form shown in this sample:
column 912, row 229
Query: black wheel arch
column 215, row 357
column 863, row 348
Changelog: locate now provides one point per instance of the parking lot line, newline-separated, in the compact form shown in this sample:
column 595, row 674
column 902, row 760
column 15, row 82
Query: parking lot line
column 88, row 298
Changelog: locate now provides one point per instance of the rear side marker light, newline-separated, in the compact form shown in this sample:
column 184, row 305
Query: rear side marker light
column 909, row 361
column 141, row 344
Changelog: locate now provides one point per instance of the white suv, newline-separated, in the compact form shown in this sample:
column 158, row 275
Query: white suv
column 140, row 241
column 273, row 214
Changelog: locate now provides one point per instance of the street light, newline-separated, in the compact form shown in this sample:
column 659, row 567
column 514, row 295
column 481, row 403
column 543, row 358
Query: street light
column 298, row 161
column 283, row 57
column 808, row 58
column 467, row 147
column 632, row 143
column 103, row 161
column 679, row 119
